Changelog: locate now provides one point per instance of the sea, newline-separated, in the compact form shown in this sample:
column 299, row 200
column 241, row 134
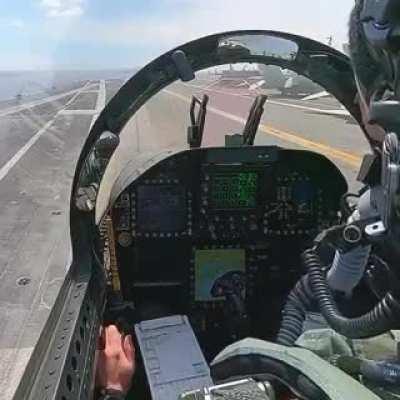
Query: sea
column 38, row 83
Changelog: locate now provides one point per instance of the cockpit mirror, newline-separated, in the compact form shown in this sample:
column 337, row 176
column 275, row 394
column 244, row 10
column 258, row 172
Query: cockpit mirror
column 258, row 45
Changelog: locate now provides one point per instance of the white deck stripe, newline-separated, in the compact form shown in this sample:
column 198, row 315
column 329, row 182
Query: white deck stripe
column 13, row 110
column 339, row 112
column 101, row 102
column 91, row 91
column 101, row 98
column 5, row 169
column 18, row 155
column 316, row 110
column 349, row 158
column 77, row 112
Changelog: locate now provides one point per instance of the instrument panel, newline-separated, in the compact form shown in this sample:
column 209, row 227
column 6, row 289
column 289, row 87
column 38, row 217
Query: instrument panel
column 205, row 220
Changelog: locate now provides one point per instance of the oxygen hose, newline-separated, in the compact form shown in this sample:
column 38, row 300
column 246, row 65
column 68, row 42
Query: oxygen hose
column 314, row 287
column 298, row 303
column 348, row 269
column 381, row 372
column 383, row 317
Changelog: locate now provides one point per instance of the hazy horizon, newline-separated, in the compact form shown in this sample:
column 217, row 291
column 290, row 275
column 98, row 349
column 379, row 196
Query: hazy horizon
column 94, row 35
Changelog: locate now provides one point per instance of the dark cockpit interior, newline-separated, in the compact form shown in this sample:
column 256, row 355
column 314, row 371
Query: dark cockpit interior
column 216, row 234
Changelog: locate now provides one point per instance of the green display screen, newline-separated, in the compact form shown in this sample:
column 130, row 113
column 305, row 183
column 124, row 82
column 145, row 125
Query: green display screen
column 234, row 190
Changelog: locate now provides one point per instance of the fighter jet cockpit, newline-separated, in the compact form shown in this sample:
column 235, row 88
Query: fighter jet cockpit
column 242, row 256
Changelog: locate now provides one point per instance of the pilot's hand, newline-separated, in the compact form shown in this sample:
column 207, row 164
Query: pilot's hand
column 116, row 361
column 85, row 199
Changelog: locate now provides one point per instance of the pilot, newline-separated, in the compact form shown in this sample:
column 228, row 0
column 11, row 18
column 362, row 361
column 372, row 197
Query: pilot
column 374, row 50
column 116, row 362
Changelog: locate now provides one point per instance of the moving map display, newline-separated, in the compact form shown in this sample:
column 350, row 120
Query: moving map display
column 234, row 190
column 211, row 265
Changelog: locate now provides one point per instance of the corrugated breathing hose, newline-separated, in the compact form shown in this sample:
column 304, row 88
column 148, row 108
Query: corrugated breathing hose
column 298, row 303
column 382, row 318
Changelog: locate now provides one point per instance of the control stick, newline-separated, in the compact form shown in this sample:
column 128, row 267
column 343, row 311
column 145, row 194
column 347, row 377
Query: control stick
column 231, row 286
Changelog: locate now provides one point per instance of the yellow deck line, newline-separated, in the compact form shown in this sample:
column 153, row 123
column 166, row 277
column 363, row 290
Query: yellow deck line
column 348, row 158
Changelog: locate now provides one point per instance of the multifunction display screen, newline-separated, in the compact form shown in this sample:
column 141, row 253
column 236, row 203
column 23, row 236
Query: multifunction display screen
column 161, row 208
column 234, row 190
column 213, row 265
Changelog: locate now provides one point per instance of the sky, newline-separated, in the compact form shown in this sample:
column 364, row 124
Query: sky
column 107, row 34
